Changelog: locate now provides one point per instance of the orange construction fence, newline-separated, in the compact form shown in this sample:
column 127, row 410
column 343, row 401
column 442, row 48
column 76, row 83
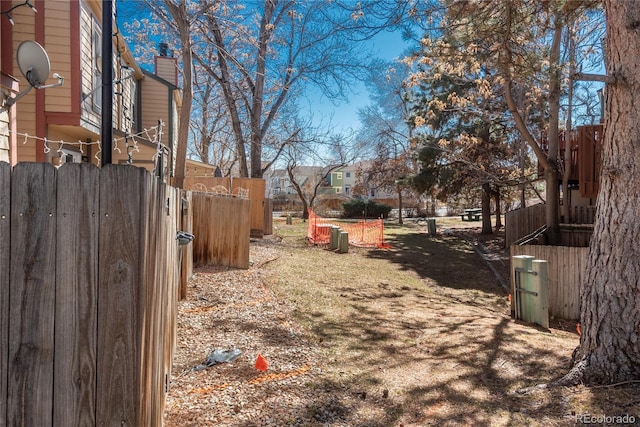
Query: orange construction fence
column 367, row 234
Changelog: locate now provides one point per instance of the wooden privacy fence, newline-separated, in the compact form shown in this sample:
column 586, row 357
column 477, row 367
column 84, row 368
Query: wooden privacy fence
column 522, row 222
column 222, row 229
column 254, row 188
column 576, row 232
column 582, row 214
column 88, row 288
column 186, row 254
column 566, row 266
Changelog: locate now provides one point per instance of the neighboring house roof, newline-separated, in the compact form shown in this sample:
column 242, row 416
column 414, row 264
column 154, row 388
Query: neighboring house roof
column 159, row 79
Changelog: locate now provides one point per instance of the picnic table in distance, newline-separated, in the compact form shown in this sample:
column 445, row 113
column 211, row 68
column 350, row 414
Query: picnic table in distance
column 473, row 214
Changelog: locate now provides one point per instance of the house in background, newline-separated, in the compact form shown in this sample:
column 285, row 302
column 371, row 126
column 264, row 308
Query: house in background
column 62, row 124
column 347, row 181
column 278, row 182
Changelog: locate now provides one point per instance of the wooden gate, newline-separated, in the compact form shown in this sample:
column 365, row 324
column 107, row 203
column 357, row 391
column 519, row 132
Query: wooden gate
column 88, row 295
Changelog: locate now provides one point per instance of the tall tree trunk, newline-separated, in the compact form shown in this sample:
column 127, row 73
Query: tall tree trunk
column 399, row 189
column 258, row 90
column 299, row 191
column 568, row 153
column 551, row 173
column 181, row 16
column 496, row 200
column 609, row 350
column 546, row 160
column 486, row 209
column 229, row 98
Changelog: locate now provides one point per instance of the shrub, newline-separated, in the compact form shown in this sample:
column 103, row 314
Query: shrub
column 355, row 208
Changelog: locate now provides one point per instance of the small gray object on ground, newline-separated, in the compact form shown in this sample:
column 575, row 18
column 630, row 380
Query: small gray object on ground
column 219, row 356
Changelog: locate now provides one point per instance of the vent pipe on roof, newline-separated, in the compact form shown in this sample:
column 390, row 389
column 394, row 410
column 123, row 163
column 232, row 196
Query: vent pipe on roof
column 164, row 49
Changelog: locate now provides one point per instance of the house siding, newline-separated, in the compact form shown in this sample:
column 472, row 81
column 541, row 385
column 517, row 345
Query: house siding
column 124, row 101
column 69, row 116
column 58, row 46
column 24, row 29
column 144, row 156
column 8, row 88
column 4, row 132
column 154, row 103
column 91, row 118
column 167, row 69
column 156, row 106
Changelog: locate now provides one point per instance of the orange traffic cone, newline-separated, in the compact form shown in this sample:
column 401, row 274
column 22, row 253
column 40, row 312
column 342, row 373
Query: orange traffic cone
column 261, row 363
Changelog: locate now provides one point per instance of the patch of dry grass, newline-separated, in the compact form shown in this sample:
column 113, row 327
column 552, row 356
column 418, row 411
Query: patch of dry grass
column 416, row 335
column 421, row 335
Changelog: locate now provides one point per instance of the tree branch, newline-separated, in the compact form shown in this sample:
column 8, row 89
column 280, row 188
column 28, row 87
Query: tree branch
column 586, row 77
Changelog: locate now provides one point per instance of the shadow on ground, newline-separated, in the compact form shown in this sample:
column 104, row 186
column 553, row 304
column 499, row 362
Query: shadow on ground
column 447, row 261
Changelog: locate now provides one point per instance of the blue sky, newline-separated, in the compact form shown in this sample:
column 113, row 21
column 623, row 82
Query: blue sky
column 344, row 116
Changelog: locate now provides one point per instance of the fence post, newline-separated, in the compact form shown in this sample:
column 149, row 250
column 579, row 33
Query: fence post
column 5, row 261
column 431, row 225
column 541, row 286
column 343, row 242
column 334, row 237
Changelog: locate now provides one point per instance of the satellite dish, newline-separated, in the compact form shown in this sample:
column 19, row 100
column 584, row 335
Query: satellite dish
column 33, row 62
column 34, row 65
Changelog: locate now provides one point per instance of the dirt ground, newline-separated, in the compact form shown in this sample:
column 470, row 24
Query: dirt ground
column 415, row 335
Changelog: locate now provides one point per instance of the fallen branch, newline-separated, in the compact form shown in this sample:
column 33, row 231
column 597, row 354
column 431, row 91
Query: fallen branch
column 263, row 263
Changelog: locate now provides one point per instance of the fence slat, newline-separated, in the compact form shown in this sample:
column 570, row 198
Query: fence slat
column 186, row 252
column 256, row 187
column 521, row 222
column 566, row 273
column 222, row 229
column 119, row 306
column 76, row 295
column 170, row 305
column 5, row 252
column 88, row 294
column 32, row 296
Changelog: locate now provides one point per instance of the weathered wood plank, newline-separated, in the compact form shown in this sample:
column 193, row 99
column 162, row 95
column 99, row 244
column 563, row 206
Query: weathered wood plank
column 256, row 187
column 76, row 295
column 32, row 296
column 119, row 294
column 154, row 281
column 5, row 259
column 168, row 305
column 268, row 217
column 171, row 313
column 147, row 241
column 161, row 271
column 522, row 222
column 186, row 269
column 222, row 229
column 566, row 272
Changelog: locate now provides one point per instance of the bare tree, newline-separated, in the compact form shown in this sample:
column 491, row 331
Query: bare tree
column 386, row 131
column 176, row 17
column 264, row 55
column 212, row 140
